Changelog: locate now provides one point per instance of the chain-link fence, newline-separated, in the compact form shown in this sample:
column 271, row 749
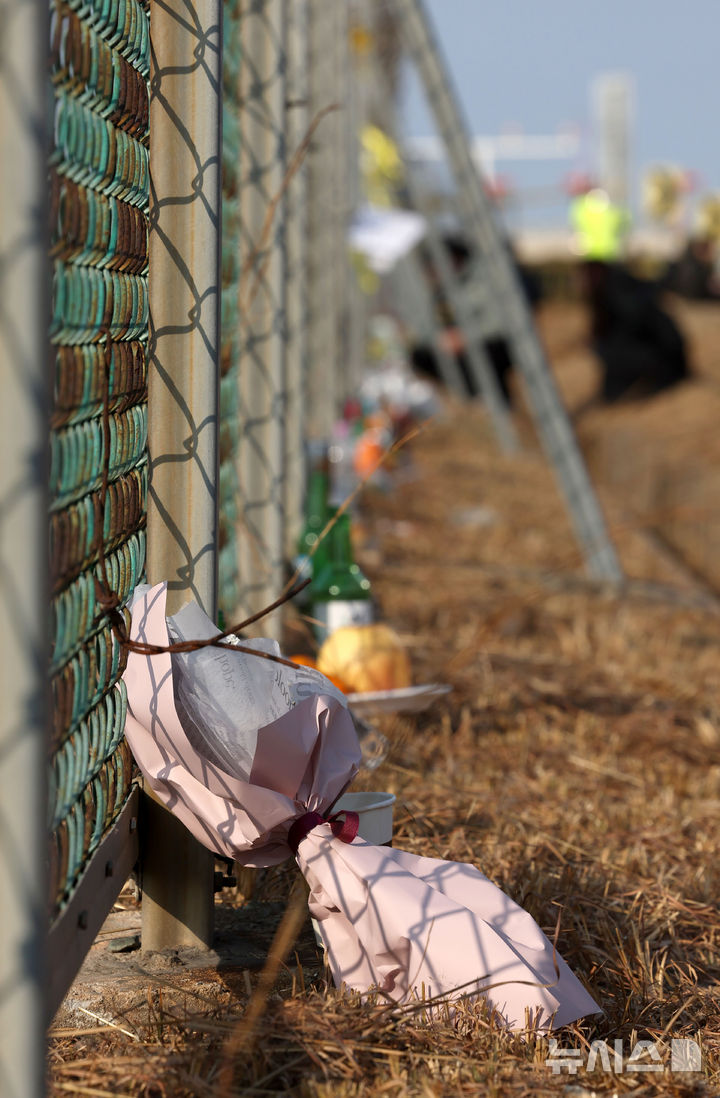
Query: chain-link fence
column 176, row 280
column 205, row 323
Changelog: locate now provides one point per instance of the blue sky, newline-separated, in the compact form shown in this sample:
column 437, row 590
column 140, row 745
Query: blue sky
column 531, row 63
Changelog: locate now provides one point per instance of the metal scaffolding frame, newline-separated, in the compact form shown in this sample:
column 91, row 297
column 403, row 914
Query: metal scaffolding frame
column 498, row 286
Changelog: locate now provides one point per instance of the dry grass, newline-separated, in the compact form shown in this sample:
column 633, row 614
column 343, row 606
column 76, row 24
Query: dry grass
column 577, row 763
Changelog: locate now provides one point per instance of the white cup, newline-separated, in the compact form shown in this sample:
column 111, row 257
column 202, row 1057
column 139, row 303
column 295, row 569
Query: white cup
column 376, row 814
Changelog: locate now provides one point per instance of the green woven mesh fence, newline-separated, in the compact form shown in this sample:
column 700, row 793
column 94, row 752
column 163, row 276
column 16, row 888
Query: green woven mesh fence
column 99, row 186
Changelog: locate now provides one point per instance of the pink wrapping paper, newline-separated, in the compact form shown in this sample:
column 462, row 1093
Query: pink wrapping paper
column 407, row 924
column 410, row 926
column 303, row 761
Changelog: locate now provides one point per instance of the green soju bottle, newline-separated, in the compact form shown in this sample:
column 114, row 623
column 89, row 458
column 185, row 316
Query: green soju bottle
column 316, row 517
column 340, row 592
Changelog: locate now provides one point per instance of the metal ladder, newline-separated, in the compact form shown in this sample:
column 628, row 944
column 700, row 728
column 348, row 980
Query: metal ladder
column 501, row 304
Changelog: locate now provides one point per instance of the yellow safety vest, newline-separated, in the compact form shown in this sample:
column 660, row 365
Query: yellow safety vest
column 599, row 226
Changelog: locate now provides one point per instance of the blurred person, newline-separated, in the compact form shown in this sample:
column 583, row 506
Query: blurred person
column 693, row 274
column 496, row 348
column 640, row 347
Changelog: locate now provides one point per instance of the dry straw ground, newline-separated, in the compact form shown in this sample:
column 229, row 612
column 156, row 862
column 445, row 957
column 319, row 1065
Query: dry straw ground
column 576, row 762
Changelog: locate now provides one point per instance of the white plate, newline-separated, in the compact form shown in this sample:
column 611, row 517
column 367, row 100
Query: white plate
column 409, row 699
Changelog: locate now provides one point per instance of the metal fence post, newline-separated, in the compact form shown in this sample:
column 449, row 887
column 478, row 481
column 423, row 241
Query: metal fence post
column 325, row 205
column 346, row 143
column 360, row 42
column 185, row 83
column 262, row 303
column 23, row 552
column 229, row 491
column 296, row 242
